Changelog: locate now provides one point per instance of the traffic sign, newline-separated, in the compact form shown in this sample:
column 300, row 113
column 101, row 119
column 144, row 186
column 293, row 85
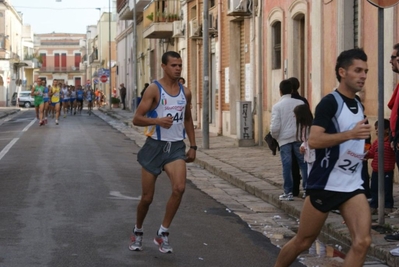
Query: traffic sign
column 383, row 3
column 103, row 78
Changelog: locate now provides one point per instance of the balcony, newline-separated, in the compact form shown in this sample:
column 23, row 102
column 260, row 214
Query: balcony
column 125, row 8
column 61, row 69
column 158, row 24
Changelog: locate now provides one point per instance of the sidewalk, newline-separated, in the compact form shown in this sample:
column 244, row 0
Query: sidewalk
column 257, row 171
column 7, row 111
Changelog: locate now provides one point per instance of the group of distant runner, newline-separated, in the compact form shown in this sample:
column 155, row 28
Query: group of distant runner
column 50, row 99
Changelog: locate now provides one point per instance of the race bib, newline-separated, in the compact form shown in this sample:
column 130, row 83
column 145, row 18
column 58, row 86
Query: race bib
column 349, row 162
column 176, row 115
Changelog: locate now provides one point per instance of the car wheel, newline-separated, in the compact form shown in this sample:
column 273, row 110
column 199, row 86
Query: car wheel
column 27, row 105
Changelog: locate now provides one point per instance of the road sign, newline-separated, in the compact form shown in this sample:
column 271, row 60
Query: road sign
column 383, row 3
column 103, row 71
column 103, row 78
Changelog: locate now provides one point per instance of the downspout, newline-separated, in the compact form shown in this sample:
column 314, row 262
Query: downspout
column 198, row 74
column 260, row 77
column 219, row 29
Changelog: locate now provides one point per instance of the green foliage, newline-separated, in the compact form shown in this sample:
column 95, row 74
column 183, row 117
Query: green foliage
column 115, row 100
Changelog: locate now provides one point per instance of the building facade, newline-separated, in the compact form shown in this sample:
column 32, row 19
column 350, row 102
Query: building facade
column 252, row 47
column 60, row 57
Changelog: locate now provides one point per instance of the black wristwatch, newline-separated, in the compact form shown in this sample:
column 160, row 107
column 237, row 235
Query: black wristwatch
column 193, row 147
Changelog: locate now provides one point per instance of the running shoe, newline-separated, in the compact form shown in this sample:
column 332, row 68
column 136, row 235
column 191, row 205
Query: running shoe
column 45, row 121
column 56, row 122
column 41, row 123
column 163, row 242
column 394, row 237
column 286, row 197
column 137, row 239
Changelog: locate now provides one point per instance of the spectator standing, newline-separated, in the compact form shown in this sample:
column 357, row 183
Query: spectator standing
column 283, row 130
column 122, row 92
column 304, row 119
column 389, row 166
column 296, row 175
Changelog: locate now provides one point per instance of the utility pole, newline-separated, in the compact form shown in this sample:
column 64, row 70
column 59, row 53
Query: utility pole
column 109, row 54
column 205, row 86
column 134, row 58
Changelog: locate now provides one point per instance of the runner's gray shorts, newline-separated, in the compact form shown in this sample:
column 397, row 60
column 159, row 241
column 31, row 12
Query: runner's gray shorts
column 155, row 154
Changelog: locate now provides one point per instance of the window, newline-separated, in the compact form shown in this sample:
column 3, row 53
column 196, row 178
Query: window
column 43, row 59
column 63, row 61
column 276, row 41
column 57, row 60
column 78, row 58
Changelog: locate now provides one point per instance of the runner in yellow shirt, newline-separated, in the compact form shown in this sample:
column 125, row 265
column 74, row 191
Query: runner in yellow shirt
column 55, row 98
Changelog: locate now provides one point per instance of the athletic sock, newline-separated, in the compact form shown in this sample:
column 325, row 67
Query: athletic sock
column 162, row 230
column 135, row 229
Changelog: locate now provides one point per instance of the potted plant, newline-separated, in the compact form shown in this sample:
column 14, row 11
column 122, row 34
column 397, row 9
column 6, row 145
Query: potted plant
column 151, row 16
column 115, row 102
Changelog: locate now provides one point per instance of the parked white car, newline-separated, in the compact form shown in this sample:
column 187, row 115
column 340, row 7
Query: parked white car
column 24, row 99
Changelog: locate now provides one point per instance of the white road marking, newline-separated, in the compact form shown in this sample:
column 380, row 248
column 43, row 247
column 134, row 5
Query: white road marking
column 118, row 195
column 29, row 125
column 13, row 141
column 7, row 148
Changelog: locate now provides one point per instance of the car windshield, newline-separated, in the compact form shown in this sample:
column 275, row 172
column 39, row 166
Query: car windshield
column 24, row 94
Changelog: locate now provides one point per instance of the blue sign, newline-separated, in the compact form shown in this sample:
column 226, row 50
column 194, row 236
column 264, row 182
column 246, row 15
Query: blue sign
column 103, row 71
column 95, row 81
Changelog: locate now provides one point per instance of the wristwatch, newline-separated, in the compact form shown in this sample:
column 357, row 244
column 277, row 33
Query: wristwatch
column 193, row 147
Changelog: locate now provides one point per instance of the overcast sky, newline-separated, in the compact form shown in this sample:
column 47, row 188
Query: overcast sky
column 70, row 16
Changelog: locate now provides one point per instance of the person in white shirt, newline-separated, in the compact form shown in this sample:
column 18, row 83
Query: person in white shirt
column 283, row 129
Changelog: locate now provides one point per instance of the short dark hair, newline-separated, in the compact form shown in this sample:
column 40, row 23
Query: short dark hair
column 166, row 55
column 295, row 83
column 285, row 87
column 386, row 124
column 345, row 59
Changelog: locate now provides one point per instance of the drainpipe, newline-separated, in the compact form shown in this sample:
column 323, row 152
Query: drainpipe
column 219, row 29
column 198, row 70
column 260, row 77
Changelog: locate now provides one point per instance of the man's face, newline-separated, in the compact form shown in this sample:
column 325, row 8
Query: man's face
column 394, row 61
column 173, row 68
column 355, row 75
column 39, row 82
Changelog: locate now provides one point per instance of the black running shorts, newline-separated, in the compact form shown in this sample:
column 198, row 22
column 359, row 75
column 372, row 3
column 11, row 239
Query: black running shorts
column 326, row 201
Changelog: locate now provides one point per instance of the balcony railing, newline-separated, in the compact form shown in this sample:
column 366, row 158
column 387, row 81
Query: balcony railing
column 157, row 21
column 60, row 69
column 120, row 4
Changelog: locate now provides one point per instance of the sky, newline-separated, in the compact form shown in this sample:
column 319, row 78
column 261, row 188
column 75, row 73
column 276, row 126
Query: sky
column 68, row 16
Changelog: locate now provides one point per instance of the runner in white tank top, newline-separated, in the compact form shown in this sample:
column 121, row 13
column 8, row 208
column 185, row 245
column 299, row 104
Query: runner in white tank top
column 165, row 111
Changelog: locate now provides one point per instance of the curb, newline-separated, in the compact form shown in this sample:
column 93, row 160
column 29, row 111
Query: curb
column 8, row 113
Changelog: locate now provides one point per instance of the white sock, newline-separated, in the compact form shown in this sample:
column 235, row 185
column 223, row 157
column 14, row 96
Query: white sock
column 137, row 229
column 162, row 230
